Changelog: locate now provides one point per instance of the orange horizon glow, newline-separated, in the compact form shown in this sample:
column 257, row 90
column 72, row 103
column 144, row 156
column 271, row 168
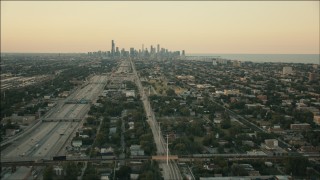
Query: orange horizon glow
column 269, row 27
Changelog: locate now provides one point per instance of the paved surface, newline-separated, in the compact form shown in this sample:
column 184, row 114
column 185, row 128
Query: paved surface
column 21, row 173
column 48, row 138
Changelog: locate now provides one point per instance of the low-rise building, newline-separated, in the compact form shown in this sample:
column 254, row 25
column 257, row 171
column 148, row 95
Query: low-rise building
column 299, row 127
column 271, row 143
column 316, row 119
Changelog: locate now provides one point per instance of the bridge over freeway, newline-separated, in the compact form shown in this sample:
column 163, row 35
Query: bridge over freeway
column 40, row 161
column 61, row 120
column 78, row 101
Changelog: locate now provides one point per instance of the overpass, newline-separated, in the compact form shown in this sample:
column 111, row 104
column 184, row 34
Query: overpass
column 61, row 120
column 79, row 101
column 41, row 161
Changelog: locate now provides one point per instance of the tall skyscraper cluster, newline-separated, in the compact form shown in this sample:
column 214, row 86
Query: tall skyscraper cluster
column 154, row 53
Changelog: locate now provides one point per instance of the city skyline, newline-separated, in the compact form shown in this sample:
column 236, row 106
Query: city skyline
column 196, row 27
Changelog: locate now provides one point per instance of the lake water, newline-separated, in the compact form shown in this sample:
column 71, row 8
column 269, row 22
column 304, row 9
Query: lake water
column 285, row 58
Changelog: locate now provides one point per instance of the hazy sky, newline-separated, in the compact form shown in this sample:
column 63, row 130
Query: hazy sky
column 197, row 27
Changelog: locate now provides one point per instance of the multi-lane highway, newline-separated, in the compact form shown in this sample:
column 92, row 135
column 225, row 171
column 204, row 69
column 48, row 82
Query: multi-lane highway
column 50, row 135
column 170, row 169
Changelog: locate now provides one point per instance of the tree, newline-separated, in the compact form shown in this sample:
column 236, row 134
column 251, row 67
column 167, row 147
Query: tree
column 297, row 166
column 146, row 175
column 48, row 173
column 91, row 120
column 150, row 170
column 207, row 140
column 226, row 123
column 238, row 170
column 303, row 116
column 225, row 116
column 212, row 116
column 220, row 149
column 184, row 111
column 71, row 171
column 170, row 92
column 90, row 173
column 180, row 147
column 123, row 172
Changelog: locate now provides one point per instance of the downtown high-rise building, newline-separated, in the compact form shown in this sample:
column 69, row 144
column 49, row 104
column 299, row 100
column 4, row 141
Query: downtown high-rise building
column 112, row 49
column 131, row 52
column 154, row 53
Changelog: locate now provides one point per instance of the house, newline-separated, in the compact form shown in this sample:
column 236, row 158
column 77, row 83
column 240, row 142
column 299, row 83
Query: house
column 24, row 120
column 104, row 176
column 217, row 120
column 130, row 93
column 77, row 143
column 131, row 125
column 64, row 94
column 112, row 130
column 248, row 143
column 136, row 150
column 106, row 151
column 231, row 92
column 11, row 132
column 47, row 97
column 134, row 176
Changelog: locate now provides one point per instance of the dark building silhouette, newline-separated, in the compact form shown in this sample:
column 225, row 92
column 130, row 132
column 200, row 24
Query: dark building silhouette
column 112, row 49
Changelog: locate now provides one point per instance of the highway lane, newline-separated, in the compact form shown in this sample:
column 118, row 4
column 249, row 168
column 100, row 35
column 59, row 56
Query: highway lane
column 50, row 137
column 44, row 144
column 21, row 147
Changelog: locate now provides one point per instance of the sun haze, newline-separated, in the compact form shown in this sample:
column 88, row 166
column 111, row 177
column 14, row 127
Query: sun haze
column 197, row 27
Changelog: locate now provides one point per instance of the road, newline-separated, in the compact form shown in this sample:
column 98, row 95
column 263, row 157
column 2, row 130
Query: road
column 170, row 170
column 49, row 138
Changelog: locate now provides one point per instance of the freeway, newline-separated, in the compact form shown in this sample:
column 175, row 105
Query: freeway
column 46, row 138
column 170, row 168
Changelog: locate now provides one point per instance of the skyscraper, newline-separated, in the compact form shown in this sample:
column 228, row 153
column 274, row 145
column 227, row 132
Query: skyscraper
column 117, row 53
column 158, row 48
column 112, row 49
column 131, row 52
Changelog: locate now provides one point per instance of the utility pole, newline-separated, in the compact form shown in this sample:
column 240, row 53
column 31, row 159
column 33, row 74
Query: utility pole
column 167, row 150
column 159, row 132
column 114, row 170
